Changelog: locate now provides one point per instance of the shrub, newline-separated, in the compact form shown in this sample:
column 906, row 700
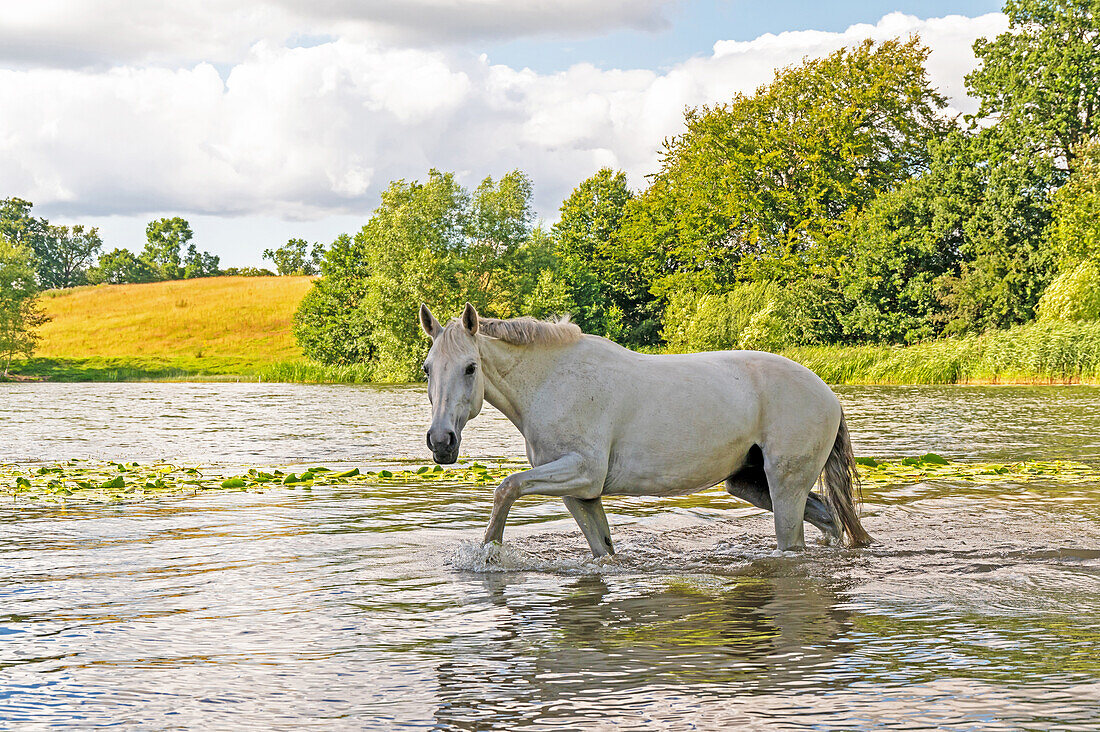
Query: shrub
column 1074, row 295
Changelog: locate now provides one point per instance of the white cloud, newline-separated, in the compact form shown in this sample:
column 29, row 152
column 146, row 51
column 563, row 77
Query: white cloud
column 68, row 34
column 319, row 131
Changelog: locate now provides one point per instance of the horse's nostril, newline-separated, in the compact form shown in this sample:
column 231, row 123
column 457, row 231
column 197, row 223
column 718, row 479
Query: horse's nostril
column 441, row 439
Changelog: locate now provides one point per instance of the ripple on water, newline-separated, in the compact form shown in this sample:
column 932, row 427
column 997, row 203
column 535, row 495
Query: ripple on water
column 370, row 608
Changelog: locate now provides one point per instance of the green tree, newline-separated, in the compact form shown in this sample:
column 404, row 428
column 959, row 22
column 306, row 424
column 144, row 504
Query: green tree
column 165, row 239
column 756, row 188
column 1040, row 80
column 497, row 225
column 1073, row 295
column 1075, row 233
column 891, row 275
column 247, row 272
column 415, row 251
column 327, row 324
column 200, row 264
column 120, row 266
column 16, row 223
column 64, row 255
column 598, row 273
column 430, row 241
column 1002, row 200
column 19, row 315
column 296, row 257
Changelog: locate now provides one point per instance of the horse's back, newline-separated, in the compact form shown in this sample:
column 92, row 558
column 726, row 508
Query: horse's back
column 677, row 423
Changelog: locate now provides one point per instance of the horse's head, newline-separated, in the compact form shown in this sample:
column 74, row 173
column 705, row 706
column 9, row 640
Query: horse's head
column 456, row 387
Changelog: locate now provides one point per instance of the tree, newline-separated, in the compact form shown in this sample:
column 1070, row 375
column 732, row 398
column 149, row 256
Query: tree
column 247, row 272
column 1040, row 80
column 429, row 241
column 603, row 294
column 296, row 257
column 495, row 249
column 327, row 324
column 19, row 315
column 755, row 189
column 414, row 250
column 200, row 264
column 64, row 255
column 120, row 266
column 1002, row 201
column 899, row 250
column 165, row 239
column 1075, row 233
column 16, row 223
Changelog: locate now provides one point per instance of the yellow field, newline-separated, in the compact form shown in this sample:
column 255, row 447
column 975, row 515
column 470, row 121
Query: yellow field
column 217, row 324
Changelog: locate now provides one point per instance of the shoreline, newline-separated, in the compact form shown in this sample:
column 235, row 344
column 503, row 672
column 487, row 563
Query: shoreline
column 1025, row 355
column 182, row 376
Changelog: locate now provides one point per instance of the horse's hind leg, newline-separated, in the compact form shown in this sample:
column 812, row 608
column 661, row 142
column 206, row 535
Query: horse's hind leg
column 593, row 522
column 817, row 513
column 789, row 485
column 750, row 484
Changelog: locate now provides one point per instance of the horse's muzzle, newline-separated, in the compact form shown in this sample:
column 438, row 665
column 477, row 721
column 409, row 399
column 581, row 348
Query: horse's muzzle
column 445, row 458
column 444, row 445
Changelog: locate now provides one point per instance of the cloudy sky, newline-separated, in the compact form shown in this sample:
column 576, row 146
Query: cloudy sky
column 266, row 119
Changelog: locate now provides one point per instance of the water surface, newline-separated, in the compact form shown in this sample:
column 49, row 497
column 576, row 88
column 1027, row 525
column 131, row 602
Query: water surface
column 376, row 607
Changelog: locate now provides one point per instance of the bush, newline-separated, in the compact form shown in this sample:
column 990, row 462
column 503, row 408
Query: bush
column 763, row 315
column 1074, row 295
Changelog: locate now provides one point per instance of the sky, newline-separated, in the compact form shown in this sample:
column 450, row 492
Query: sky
column 264, row 120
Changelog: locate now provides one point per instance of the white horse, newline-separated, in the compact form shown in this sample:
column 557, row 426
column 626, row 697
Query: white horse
column 601, row 420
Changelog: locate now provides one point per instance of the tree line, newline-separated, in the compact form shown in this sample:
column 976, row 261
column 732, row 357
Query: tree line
column 67, row 256
column 837, row 204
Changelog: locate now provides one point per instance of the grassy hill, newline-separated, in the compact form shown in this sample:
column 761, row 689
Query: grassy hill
column 211, row 326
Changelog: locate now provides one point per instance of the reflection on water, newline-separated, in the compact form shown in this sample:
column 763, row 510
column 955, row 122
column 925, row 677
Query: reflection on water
column 373, row 607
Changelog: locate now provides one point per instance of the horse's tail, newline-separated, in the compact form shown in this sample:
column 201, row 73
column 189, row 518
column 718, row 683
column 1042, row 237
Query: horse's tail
column 842, row 489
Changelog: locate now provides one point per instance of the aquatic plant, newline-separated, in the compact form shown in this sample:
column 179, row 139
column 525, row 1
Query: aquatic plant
column 94, row 481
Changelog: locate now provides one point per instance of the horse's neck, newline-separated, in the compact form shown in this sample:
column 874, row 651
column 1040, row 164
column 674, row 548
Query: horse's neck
column 512, row 375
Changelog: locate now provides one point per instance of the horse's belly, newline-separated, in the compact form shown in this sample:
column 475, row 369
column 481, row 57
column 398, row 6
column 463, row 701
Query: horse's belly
column 664, row 490
column 671, row 475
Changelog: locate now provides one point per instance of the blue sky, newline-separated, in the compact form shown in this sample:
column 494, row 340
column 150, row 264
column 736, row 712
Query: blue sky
column 263, row 120
column 694, row 27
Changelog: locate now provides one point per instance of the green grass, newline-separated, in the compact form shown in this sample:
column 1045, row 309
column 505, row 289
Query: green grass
column 188, row 369
column 1029, row 354
column 211, row 328
column 311, row 372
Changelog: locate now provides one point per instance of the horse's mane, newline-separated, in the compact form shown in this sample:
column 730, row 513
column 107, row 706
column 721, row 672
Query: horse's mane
column 527, row 331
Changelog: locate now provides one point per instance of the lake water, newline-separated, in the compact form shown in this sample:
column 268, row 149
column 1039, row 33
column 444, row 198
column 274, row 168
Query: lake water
column 371, row 608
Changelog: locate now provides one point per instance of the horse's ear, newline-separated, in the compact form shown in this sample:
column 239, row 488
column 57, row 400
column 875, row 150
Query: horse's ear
column 428, row 322
column 469, row 319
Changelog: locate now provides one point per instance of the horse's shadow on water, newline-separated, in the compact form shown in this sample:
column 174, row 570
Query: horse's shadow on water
column 561, row 644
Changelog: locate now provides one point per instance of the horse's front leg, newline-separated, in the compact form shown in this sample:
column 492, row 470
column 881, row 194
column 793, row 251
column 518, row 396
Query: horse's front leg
column 571, row 475
column 593, row 523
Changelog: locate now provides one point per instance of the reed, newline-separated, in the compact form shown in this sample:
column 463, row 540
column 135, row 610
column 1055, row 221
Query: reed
column 1033, row 353
column 311, row 372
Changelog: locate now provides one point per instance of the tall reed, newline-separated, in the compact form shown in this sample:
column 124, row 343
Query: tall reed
column 1037, row 352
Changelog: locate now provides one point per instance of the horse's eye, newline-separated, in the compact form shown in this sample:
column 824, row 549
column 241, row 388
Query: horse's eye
column 471, row 368
column 425, row 368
